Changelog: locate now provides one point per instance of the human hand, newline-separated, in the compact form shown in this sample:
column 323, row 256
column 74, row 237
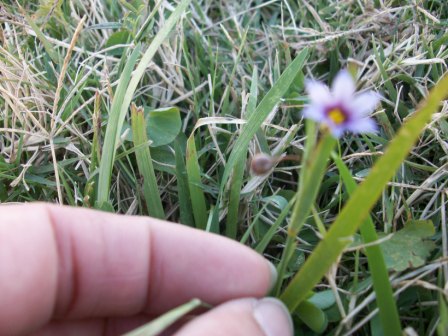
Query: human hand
column 68, row 271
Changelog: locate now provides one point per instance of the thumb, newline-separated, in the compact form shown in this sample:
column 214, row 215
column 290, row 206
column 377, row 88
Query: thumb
column 245, row 317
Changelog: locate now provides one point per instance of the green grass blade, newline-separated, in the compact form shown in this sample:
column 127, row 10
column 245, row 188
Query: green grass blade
column 234, row 199
column 238, row 172
column 47, row 45
column 158, row 325
column 182, row 186
column 442, row 326
column 66, row 185
column 95, row 156
column 194, row 180
column 267, row 237
column 144, row 163
column 390, row 320
column 148, row 22
column 113, row 128
column 390, row 89
column 121, row 106
column 267, row 104
column 306, row 196
column 310, row 145
column 257, row 217
column 363, row 199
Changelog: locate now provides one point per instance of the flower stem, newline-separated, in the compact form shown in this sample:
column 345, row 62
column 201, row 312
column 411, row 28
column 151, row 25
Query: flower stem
column 312, row 172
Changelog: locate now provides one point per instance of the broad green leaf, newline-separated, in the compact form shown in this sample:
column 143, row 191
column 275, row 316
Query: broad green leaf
column 324, row 299
column 363, row 199
column 408, row 247
column 119, row 37
column 163, row 159
column 163, row 125
column 312, row 316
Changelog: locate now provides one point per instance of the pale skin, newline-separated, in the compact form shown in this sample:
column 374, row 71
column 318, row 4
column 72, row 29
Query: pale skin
column 67, row 271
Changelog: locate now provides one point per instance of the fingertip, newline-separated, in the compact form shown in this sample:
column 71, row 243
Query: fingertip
column 273, row 317
column 273, row 276
column 248, row 317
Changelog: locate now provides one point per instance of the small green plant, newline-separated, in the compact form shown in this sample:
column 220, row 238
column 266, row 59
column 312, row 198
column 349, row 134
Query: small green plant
column 161, row 108
column 336, row 115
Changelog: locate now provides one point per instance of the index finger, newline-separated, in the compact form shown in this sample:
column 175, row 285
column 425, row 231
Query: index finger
column 75, row 263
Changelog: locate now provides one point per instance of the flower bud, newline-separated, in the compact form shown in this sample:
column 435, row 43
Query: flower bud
column 262, row 163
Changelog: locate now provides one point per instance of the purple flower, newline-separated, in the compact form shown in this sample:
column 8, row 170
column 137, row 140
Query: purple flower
column 340, row 109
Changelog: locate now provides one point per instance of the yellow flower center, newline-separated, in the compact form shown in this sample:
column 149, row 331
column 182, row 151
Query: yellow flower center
column 337, row 116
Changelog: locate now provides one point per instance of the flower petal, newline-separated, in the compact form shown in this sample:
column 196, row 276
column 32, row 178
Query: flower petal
column 314, row 112
column 336, row 131
column 364, row 103
column 318, row 92
column 343, row 86
column 364, row 125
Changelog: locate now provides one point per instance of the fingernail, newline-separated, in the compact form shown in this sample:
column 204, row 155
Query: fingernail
column 273, row 317
column 274, row 275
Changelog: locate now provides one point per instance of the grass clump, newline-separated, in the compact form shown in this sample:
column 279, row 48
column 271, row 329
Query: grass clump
column 217, row 69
